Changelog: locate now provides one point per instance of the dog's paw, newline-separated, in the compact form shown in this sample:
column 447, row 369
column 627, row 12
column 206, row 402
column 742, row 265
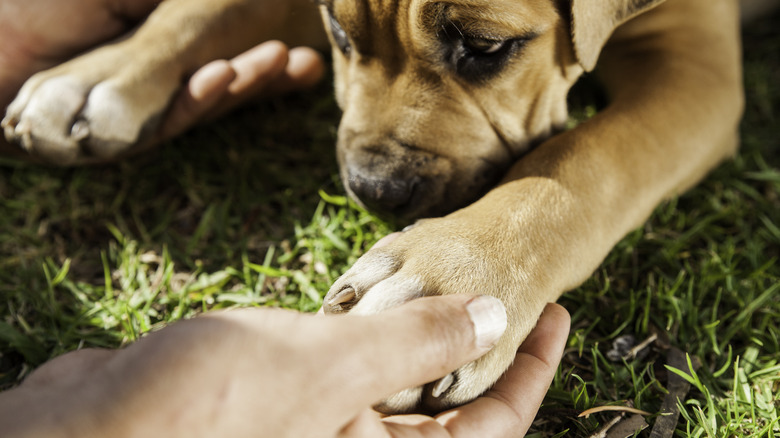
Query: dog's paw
column 93, row 108
column 437, row 257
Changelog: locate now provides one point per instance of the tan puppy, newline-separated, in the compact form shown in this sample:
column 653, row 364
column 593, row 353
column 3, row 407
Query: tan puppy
column 441, row 98
column 442, row 101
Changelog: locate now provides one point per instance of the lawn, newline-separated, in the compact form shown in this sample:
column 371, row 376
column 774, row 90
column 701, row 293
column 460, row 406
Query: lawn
column 248, row 211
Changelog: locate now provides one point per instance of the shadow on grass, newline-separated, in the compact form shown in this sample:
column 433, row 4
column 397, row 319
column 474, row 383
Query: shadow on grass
column 221, row 196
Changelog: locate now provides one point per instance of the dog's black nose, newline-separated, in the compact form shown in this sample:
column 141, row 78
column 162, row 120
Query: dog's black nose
column 389, row 196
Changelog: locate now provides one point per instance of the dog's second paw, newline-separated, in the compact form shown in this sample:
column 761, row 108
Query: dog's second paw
column 438, row 257
column 92, row 108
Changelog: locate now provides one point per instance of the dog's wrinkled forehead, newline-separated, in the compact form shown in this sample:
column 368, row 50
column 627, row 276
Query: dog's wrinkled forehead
column 365, row 17
column 373, row 26
column 397, row 29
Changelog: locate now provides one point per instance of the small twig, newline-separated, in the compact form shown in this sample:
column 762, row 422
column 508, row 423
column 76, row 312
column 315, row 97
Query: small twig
column 602, row 433
column 641, row 346
column 614, row 425
column 586, row 413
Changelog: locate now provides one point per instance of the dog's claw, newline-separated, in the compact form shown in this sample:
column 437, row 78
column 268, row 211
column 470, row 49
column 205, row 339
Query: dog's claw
column 23, row 130
column 80, row 130
column 344, row 296
column 8, row 124
column 442, row 385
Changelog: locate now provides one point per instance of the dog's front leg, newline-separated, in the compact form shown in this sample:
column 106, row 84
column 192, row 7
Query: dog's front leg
column 676, row 89
column 677, row 99
column 676, row 102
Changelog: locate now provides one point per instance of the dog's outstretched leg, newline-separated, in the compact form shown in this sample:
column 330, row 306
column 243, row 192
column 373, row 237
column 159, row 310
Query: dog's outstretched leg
column 108, row 101
column 674, row 78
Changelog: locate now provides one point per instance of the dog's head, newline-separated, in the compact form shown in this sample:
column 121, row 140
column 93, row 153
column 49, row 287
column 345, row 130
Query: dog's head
column 440, row 97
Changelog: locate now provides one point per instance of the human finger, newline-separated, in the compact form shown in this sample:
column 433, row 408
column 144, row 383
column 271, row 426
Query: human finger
column 270, row 69
column 509, row 408
column 205, row 89
column 304, row 69
column 68, row 367
column 413, row 344
column 221, row 84
column 257, row 68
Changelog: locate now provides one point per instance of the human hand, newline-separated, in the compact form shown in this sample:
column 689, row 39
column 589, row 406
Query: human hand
column 506, row 410
column 270, row 68
column 272, row 373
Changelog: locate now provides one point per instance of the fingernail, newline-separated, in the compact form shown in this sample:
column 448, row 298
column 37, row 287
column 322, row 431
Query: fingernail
column 489, row 318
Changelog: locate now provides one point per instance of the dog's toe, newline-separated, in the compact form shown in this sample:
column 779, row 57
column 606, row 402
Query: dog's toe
column 437, row 258
column 368, row 272
column 41, row 120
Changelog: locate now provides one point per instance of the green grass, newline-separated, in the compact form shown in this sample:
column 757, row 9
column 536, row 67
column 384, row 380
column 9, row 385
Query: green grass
column 703, row 274
column 242, row 212
column 249, row 211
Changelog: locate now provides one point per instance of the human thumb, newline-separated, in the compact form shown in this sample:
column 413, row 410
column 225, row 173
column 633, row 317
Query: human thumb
column 417, row 343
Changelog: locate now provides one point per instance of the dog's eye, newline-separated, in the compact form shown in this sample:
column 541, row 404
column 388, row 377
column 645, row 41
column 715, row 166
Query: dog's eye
column 340, row 36
column 477, row 58
column 483, row 46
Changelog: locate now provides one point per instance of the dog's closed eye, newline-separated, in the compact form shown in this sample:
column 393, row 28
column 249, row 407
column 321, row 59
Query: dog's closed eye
column 477, row 58
column 485, row 46
column 339, row 35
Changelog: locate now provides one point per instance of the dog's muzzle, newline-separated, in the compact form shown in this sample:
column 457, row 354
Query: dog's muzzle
column 406, row 181
column 394, row 179
column 388, row 196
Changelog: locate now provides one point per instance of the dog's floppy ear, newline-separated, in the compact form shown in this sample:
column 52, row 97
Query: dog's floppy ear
column 592, row 23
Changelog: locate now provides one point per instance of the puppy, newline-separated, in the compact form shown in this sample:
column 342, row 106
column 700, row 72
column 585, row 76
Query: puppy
column 459, row 106
column 453, row 111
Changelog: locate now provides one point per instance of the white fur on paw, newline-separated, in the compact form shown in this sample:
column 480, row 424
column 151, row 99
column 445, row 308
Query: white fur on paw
column 63, row 118
column 42, row 121
column 114, row 123
column 389, row 293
